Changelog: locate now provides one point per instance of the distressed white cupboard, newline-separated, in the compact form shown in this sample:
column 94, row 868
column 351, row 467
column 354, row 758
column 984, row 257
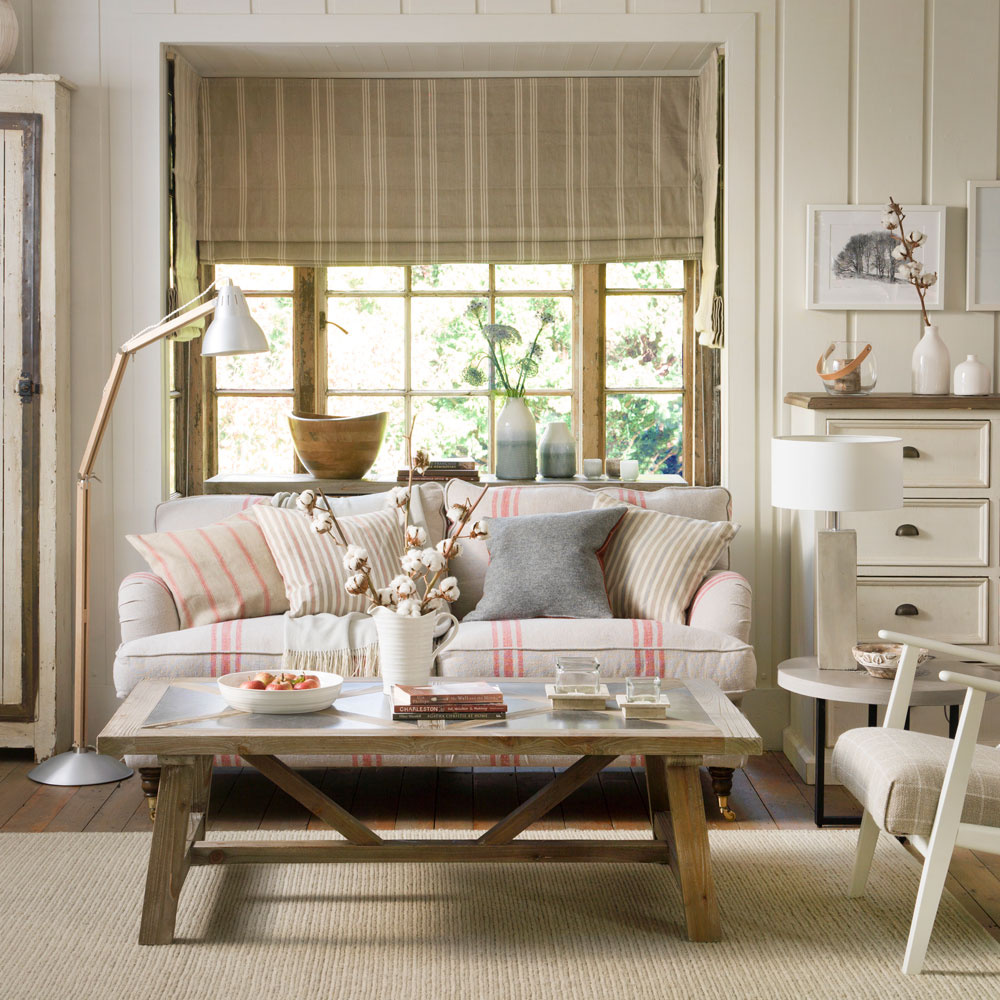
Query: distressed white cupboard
column 931, row 568
column 36, row 597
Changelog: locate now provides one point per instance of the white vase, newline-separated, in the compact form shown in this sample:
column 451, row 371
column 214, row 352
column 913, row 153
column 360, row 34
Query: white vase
column 406, row 648
column 516, row 443
column 9, row 32
column 972, row 378
column 557, row 452
column 931, row 365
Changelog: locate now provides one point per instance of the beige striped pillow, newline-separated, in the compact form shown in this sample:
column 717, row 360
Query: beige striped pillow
column 312, row 565
column 217, row 573
column 654, row 561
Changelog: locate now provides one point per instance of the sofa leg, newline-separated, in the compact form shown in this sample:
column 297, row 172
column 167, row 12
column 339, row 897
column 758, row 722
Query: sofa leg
column 150, row 779
column 722, row 785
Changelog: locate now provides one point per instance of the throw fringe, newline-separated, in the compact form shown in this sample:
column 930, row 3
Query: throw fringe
column 361, row 662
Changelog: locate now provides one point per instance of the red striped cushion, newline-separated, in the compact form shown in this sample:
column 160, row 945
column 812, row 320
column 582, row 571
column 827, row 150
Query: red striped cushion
column 218, row 573
column 654, row 562
column 312, row 565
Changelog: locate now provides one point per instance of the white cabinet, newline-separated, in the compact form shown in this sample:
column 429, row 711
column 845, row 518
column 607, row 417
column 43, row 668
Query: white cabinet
column 36, row 688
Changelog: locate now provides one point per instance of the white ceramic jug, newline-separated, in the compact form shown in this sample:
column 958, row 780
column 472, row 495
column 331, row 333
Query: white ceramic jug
column 406, row 649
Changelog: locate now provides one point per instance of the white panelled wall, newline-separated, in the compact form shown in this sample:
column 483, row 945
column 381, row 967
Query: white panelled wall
column 837, row 101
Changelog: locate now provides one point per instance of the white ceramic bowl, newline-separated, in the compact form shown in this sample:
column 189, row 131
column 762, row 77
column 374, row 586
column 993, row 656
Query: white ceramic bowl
column 280, row 702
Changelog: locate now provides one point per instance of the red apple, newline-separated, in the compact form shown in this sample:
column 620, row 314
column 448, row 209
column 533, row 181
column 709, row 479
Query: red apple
column 307, row 683
column 254, row 685
column 279, row 686
column 264, row 677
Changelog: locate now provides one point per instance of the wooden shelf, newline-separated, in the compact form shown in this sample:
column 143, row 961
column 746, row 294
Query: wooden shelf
column 891, row 401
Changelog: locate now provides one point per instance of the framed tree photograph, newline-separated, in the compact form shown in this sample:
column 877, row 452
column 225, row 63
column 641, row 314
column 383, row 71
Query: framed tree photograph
column 849, row 262
column 982, row 289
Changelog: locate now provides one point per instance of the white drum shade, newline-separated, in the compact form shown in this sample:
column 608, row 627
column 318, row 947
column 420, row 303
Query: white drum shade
column 837, row 472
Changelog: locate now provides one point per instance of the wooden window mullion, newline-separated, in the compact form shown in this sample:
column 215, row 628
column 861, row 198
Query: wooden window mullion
column 308, row 363
column 688, row 363
column 589, row 366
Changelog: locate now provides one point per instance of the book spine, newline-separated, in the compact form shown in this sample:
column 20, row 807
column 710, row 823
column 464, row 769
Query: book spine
column 454, row 699
column 440, row 709
column 448, row 716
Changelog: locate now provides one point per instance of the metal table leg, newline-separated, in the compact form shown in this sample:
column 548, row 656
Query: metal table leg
column 819, row 792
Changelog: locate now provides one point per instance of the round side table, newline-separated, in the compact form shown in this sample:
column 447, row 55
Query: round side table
column 802, row 675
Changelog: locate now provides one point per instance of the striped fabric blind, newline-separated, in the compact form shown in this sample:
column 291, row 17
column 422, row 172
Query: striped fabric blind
column 373, row 171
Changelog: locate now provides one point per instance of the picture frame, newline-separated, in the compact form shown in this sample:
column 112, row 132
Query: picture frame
column 982, row 273
column 848, row 264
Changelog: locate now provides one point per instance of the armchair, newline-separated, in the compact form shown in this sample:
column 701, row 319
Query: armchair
column 939, row 793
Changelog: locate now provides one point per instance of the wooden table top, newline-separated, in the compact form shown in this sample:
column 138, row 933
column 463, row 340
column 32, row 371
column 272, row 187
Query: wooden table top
column 188, row 716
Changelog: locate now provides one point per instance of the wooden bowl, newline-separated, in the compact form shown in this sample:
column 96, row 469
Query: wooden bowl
column 332, row 447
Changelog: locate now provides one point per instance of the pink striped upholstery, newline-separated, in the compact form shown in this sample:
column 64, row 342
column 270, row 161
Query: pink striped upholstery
column 654, row 562
column 217, row 573
column 312, row 565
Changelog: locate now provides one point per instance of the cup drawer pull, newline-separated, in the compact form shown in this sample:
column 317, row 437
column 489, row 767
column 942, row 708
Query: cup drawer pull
column 907, row 531
column 906, row 610
column 910, row 452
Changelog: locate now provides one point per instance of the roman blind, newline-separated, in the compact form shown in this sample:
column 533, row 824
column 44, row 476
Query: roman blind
column 369, row 171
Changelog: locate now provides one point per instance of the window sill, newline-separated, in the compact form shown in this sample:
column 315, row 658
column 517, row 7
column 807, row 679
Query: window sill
column 264, row 484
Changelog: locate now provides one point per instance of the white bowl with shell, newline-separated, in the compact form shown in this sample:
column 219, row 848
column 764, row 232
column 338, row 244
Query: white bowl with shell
column 881, row 659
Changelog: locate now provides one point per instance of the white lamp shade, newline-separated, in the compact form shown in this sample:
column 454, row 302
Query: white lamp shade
column 837, row 472
column 232, row 330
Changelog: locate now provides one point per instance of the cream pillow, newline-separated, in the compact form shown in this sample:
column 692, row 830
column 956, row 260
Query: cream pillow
column 655, row 562
column 312, row 565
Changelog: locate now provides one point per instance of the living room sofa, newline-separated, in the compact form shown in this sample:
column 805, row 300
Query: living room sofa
column 714, row 643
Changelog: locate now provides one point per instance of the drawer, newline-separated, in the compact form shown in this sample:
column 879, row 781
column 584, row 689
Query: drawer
column 924, row 533
column 950, row 609
column 937, row 452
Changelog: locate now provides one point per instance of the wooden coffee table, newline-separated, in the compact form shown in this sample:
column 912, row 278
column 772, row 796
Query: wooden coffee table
column 185, row 723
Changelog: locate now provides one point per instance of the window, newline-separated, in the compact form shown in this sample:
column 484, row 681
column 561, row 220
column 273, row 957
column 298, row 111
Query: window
column 617, row 363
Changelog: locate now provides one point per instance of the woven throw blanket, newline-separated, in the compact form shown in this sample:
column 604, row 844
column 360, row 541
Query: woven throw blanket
column 339, row 644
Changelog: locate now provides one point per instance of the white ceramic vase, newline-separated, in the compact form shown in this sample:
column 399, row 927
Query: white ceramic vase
column 557, row 452
column 516, row 443
column 406, row 648
column 972, row 378
column 931, row 365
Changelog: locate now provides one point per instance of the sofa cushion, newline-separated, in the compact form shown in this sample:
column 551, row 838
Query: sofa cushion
column 216, row 573
column 547, row 565
column 529, row 648
column 312, row 564
column 655, row 561
column 709, row 503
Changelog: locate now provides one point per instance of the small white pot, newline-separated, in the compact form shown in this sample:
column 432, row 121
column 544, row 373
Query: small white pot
column 931, row 365
column 972, row 378
column 406, row 649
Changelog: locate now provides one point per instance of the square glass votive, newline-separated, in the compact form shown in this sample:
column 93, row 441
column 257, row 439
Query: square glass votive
column 642, row 689
column 577, row 675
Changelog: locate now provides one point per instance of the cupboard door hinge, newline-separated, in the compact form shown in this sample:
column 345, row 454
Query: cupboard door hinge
column 26, row 388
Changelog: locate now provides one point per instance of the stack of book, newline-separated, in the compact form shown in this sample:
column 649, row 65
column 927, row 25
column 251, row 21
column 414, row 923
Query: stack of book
column 443, row 469
column 448, row 702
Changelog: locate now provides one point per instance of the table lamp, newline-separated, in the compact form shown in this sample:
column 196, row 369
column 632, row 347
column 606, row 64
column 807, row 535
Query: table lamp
column 232, row 331
column 836, row 473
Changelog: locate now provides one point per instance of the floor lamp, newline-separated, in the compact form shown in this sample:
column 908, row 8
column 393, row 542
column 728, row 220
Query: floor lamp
column 836, row 473
column 232, row 331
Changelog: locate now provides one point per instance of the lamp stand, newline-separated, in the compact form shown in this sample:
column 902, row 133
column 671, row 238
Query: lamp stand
column 83, row 765
column 836, row 598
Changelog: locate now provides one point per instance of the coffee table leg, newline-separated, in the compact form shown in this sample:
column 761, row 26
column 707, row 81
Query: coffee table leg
column 168, row 858
column 690, row 857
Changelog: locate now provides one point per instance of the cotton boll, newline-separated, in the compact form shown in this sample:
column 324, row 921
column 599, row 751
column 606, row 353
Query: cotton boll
column 449, row 589
column 306, row 500
column 409, row 608
column 456, row 512
column 398, row 496
column 403, row 586
column 356, row 559
column 449, row 548
column 411, row 563
column 416, row 537
column 433, row 560
column 356, row 584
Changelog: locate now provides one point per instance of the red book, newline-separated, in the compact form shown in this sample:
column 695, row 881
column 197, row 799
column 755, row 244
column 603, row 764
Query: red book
column 447, row 694
column 439, row 709
column 455, row 716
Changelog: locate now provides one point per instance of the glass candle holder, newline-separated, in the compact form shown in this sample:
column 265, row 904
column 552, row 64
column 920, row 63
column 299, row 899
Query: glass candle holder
column 642, row 689
column 577, row 675
column 847, row 369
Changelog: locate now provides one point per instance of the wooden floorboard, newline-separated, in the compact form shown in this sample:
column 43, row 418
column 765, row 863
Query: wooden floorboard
column 767, row 794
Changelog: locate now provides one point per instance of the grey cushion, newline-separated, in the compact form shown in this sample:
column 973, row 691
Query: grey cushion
column 897, row 776
column 546, row 566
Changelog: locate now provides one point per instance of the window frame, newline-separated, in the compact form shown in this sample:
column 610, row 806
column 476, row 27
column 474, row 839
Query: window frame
column 195, row 424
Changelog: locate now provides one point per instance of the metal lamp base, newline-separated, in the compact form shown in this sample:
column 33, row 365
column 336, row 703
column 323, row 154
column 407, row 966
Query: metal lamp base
column 80, row 766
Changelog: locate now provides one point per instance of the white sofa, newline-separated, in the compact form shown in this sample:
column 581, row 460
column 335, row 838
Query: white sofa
column 714, row 643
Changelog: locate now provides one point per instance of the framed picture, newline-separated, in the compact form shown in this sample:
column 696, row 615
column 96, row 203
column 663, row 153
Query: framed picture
column 982, row 287
column 849, row 261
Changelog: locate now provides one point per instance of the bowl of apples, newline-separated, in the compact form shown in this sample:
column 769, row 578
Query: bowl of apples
column 265, row 693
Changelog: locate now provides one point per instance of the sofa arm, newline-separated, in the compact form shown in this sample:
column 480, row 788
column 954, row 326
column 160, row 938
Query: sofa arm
column 146, row 607
column 722, row 604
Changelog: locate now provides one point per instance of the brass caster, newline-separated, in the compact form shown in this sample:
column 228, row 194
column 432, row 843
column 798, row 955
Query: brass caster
column 151, row 804
column 727, row 814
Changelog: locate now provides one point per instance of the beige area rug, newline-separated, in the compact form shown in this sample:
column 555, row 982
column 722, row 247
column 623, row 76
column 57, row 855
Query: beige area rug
column 69, row 915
